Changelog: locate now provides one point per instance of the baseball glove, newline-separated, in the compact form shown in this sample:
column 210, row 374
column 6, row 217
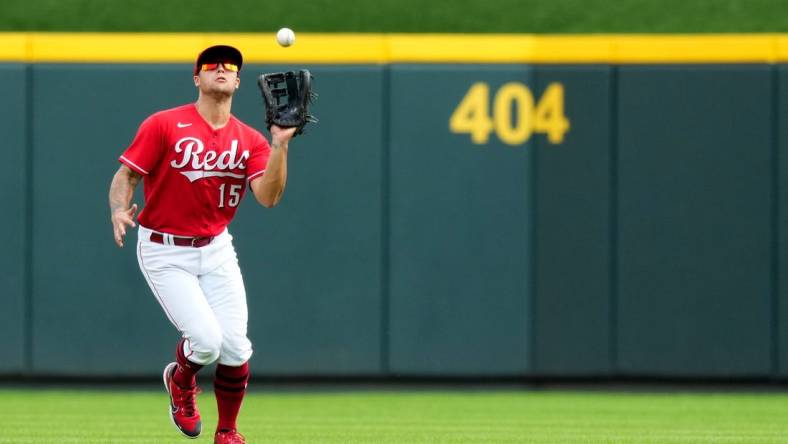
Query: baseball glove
column 287, row 96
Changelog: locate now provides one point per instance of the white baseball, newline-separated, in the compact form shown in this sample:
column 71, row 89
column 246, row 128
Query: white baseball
column 285, row 37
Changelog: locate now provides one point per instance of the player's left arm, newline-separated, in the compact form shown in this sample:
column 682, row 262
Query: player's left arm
column 269, row 187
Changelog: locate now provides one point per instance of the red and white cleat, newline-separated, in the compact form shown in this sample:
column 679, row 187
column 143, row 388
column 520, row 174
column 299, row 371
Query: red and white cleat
column 183, row 404
column 228, row 437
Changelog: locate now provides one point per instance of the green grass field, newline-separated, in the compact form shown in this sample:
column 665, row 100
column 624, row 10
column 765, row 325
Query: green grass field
column 401, row 417
column 490, row 16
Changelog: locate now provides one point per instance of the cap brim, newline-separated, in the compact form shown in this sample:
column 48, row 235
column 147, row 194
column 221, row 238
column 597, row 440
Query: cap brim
column 219, row 53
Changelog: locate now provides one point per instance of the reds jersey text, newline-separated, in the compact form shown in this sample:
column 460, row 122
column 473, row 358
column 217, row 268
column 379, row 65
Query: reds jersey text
column 205, row 170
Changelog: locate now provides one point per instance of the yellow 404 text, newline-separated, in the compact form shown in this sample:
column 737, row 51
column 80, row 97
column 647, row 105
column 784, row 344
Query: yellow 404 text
column 473, row 116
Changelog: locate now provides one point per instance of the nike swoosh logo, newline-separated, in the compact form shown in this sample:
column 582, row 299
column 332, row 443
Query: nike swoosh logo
column 183, row 125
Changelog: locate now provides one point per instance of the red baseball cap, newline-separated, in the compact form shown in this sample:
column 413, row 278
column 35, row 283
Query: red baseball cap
column 219, row 53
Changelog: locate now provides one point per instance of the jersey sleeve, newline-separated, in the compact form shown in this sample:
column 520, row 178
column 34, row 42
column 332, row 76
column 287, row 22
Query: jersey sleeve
column 147, row 147
column 258, row 159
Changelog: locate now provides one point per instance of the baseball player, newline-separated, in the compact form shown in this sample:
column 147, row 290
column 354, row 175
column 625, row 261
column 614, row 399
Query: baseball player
column 196, row 161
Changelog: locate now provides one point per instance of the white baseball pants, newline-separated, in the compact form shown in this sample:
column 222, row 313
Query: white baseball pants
column 202, row 293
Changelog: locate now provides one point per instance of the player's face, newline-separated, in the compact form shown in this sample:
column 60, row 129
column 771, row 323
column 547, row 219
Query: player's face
column 220, row 78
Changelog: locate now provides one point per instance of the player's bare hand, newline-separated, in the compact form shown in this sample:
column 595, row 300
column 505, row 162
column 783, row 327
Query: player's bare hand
column 281, row 136
column 122, row 219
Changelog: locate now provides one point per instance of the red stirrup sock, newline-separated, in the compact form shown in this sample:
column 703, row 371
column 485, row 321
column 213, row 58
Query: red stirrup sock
column 185, row 373
column 230, row 387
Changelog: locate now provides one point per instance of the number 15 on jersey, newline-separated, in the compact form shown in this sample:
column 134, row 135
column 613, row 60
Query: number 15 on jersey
column 234, row 195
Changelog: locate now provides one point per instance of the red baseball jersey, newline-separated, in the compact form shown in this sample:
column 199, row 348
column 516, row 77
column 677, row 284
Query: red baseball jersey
column 194, row 175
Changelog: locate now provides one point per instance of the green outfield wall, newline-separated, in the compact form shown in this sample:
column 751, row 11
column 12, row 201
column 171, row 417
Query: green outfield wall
column 572, row 293
column 15, row 254
column 442, row 219
column 695, row 208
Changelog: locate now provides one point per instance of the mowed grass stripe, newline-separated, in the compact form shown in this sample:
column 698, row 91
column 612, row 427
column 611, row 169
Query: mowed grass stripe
column 94, row 416
column 497, row 16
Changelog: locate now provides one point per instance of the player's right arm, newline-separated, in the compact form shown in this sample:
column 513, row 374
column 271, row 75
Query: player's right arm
column 120, row 193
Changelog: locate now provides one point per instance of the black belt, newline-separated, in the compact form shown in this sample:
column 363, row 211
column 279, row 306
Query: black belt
column 196, row 242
